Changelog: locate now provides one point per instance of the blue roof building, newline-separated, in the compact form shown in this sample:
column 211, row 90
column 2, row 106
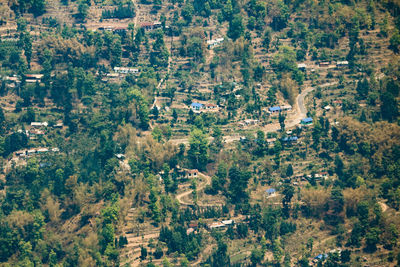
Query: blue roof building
column 290, row 139
column 274, row 109
column 321, row 256
column 196, row 106
column 306, row 121
column 270, row 191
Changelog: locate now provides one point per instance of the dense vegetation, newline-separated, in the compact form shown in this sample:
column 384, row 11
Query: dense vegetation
column 106, row 181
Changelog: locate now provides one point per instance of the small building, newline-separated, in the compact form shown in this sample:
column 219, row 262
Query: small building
column 271, row 141
column 55, row 149
column 189, row 231
column 31, row 152
column 273, row 110
column 210, row 106
column 39, row 124
column 21, row 153
column 290, row 139
column 306, row 121
column 228, row 222
column 324, row 64
column 286, row 107
column 216, row 225
column 327, row 108
column 215, row 42
column 270, row 191
column 302, row 66
column 33, row 78
column 342, row 64
column 106, row 28
column 120, row 156
column 250, row 122
column 58, row 125
column 126, row 70
column 149, row 26
column 190, row 174
column 196, row 106
column 120, row 30
column 42, row 150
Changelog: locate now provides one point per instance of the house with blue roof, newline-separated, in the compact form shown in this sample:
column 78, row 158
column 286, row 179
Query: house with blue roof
column 290, row 139
column 270, row 191
column 196, row 106
column 274, row 109
column 306, row 121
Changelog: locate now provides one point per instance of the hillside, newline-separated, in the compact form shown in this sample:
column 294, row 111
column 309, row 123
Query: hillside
column 199, row 133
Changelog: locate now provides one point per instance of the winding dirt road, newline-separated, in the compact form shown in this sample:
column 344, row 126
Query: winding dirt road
column 180, row 197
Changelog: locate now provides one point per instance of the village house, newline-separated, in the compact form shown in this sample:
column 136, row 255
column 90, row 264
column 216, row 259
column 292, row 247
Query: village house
column 306, row 121
column 290, row 139
column 126, row 70
column 106, row 28
column 302, row 66
column 271, row 141
column 324, row 64
column 210, row 106
column 196, row 107
column 58, row 125
column 273, row 110
column 120, row 30
column 342, row 64
column 270, row 191
column 190, row 174
column 215, row 42
column 149, row 26
column 286, row 107
column 39, row 124
column 215, row 225
column 33, row 78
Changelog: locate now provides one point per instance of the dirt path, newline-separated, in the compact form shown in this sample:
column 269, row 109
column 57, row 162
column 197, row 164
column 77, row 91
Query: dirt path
column 201, row 186
column 384, row 206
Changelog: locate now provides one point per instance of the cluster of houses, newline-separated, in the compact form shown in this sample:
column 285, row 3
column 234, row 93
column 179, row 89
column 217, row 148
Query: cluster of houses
column 214, row 43
column 182, row 173
column 325, row 64
column 147, row 26
column 14, row 81
column 199, row 107
column 35, row 130
column 248, row 122
column 35, row 151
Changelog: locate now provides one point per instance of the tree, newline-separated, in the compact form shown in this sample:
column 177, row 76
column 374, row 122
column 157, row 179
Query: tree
column 236, row 27
column 288, row 192
column 289, row 170
column 395, row 42
column 238, row 184
column 282, row 118
column 256, row 257
column 83, row 10
column 198, row 154
column 389, row 107
column 187, row 12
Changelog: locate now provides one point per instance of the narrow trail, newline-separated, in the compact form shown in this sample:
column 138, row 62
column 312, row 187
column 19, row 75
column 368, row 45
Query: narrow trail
column 291, row 121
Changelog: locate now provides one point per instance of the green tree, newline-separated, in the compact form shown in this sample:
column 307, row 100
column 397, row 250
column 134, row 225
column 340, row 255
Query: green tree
column 236, row 27
column 198, row 154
